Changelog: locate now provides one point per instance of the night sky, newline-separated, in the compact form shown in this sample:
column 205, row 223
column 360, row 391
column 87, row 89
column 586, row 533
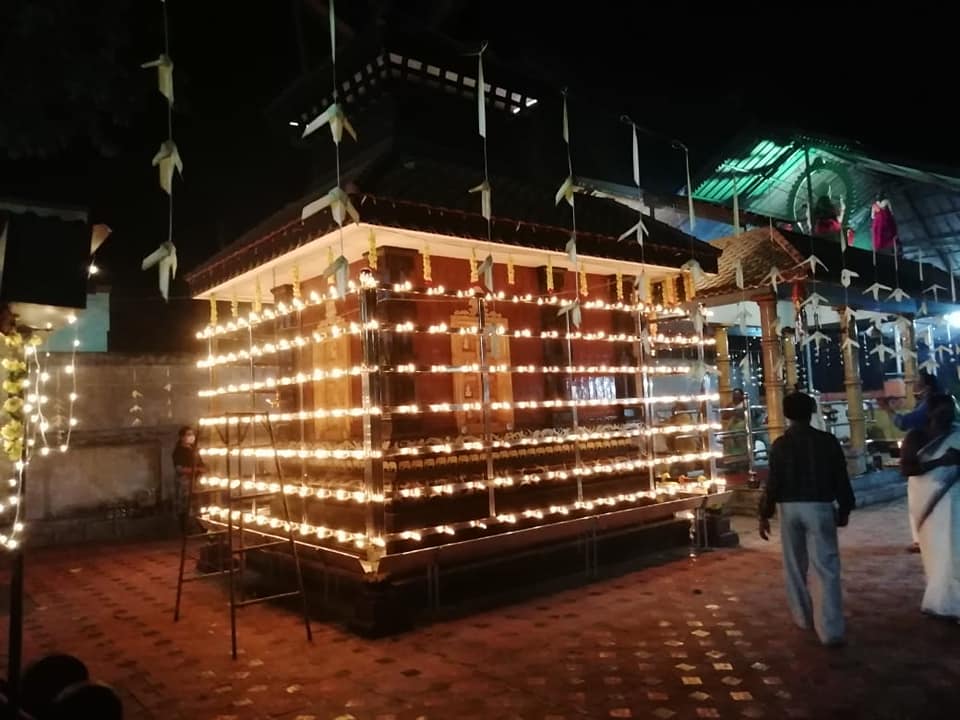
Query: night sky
column 79, row 121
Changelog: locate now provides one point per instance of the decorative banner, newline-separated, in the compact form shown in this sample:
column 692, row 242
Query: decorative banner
column 511, row 272
column 165, row 259
column 584, row 290
column 372, row 258
column 619, row 281
column 164, row 66
column 168, row 160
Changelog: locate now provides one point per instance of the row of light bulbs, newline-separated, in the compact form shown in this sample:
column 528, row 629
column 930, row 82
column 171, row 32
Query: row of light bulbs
column 335, row 332
column 320, row 375
column 252, row 522
column 414, row 409
column 282, row 309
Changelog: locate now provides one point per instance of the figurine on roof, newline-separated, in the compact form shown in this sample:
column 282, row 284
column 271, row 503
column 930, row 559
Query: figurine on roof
column 883, row 225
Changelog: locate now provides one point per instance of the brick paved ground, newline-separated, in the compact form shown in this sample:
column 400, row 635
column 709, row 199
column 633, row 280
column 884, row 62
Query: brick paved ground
column 701, row 638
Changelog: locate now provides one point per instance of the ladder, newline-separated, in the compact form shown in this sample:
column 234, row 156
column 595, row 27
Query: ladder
column 240, row 502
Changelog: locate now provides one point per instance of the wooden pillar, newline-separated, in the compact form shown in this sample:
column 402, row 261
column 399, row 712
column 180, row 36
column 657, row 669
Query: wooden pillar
column 772, row 358
column 723, row 366
column 908, row 342
column 856, row 455
column 790, row 359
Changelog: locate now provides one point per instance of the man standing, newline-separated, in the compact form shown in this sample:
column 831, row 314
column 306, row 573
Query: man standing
column 808, row 475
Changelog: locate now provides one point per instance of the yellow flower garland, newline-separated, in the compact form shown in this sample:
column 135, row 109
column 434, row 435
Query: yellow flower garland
column 14, row 384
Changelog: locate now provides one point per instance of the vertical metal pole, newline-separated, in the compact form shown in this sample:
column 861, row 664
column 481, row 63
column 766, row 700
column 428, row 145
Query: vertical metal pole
column 371, row 389
column 575, row 415
column 707, row 446
column 230, row 557
column 644, row 391
column 485, row 398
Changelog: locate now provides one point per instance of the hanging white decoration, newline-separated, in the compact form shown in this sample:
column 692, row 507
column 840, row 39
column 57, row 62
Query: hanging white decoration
column 935, row 289
column 930, row 366
column 486, row 198
column 849, row 342
column 168, row 159
column 815, row 300
column 876, row 289
column 639, row 229
column 339, row 203
column 774, row 277
column 816, row 338
column 693, row 267
column 812, row 262
column 742, row 317
column 898, row 294
column 738, row 273
column 164, row 66
column 846, row 276
column 165, row 259
column 882, row 352
column 571, row 249
column 485, row 271
column 338, row 121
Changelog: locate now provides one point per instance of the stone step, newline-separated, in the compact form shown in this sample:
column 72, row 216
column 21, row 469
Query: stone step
column 869, row 489
column 882, row 494
column 875, row 479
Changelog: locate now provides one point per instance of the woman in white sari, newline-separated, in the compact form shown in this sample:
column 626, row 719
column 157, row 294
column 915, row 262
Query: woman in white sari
column 930, row 459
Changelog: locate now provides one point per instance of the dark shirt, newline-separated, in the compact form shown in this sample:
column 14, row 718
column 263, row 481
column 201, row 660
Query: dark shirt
column 807, row 465
column 185, row 458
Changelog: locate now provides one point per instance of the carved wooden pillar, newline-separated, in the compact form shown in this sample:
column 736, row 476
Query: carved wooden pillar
column 856, row 457
column 723, row 366
column 772, row 363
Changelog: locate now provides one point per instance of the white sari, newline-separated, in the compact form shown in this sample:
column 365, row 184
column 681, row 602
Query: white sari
column 938, row 529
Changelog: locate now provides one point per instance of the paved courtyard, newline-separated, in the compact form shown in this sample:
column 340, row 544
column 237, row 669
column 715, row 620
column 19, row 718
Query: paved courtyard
column 707, row 637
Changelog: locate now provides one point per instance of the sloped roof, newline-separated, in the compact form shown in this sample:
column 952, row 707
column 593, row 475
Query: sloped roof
column 770, row 167
column 757, row 251
column 416, row 192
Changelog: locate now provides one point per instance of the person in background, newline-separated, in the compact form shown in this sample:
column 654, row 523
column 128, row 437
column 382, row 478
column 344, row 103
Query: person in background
column 930, row 459
column 186, row 462
column 734, row 421
column 809, row 484
column 916, row 419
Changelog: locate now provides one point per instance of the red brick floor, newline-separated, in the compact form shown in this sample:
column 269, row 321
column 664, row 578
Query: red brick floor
column 701, row 638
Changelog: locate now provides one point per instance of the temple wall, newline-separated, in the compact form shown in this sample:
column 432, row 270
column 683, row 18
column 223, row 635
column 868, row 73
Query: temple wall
column 129, row 408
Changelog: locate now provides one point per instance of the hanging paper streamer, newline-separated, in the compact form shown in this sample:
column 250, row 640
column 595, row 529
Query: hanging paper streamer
column 953, row 284
column 774, row 277
column 584, row 291
column 549, row 274
column 898, row 294
column 164, row 259
column 372, row 258
column 511, row 272
column 619, row 281
column 338, row 273
column 693, row 217
column 164, row 66
column 813, row 262
column 474, row 276
column 427, row 267
column 935, row 288
column 738, row 273
column 296, row 282
column 876, row 289
column 485, row 270
column 213, row 310
column 574, row 311
column 571, row 249
column 336, row 119
column 639, row 228
column 486, row 199
column 641, row 284
column 484, row 188
column 257, row 298
column 846, row 276
column 167, row 160
column 340, row 207
column 693, row 267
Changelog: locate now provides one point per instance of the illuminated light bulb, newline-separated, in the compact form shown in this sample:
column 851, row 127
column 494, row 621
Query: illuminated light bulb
column 68, row 369
column 74, row 422
column 12, row 544
column 18, row 527
column 92, row 269
column 45, row 451
column 73, row 397
column 76, row 343
column 63, row 448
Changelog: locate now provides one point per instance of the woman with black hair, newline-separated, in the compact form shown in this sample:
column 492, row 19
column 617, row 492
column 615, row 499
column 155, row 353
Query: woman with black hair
column 186, row 463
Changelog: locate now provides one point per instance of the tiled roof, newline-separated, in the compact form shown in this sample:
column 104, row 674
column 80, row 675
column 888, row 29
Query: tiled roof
column 424, row 194
column 757, row 250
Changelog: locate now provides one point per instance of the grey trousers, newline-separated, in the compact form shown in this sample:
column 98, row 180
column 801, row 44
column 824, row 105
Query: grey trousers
column 808, row 533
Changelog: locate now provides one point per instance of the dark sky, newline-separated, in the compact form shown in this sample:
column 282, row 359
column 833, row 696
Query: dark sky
column 692, row 73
